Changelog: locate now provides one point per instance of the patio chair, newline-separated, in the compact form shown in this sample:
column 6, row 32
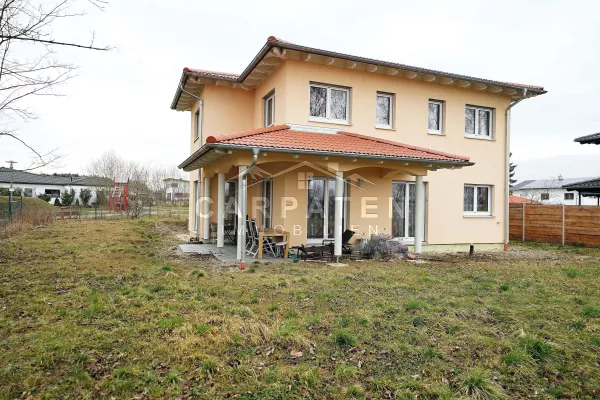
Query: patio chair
column 253, row 247
column 346, row 236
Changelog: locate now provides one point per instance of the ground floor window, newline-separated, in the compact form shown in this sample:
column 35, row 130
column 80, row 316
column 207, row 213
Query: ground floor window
column 230, row 203
column 545, row 196
column 403, row 209
column 28, row 192
column 320, row 216
column 53, row 192
column 569, row 196
column 267, row 210
column 197, row 204
column 478, row 200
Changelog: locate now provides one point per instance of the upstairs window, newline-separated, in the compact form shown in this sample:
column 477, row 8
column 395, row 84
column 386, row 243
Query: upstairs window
column 329, row 104
column 384, row 113
column 478, row 200
column 478, row 122
column 269, row 109
column 436, row 115
column 198, row 121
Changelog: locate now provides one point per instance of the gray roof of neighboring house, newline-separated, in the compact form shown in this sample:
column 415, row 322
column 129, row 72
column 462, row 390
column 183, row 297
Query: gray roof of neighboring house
column 587, row 184
column 548, row 183
column 589, row 139
column 8, row 175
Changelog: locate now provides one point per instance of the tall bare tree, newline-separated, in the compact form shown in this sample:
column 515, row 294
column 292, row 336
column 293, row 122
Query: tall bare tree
column 28, row 24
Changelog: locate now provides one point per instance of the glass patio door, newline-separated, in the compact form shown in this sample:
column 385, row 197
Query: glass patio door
column 320, row 215
column 403, row 209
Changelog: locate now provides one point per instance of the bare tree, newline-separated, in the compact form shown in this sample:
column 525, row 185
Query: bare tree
column 110, row 166
column 28, row 24
column 145, row 182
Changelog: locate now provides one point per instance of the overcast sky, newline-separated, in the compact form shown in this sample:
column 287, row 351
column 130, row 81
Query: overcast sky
column 121, row 99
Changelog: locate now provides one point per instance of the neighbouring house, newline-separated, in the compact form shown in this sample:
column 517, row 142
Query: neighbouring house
column 33, row 185
column 553, row 191
column 176, row 189
column 588, row 139
column 588, row 191
column 521, row 200
column 334, row 141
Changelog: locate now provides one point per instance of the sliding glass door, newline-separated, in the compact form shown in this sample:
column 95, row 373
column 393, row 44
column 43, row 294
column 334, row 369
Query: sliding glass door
column 403, row 210
column 320, row 216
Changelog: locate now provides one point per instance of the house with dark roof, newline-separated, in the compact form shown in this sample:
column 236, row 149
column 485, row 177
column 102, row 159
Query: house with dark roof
column 588, row 139
column 33, row 185
column 313, row 142
column 555, row 191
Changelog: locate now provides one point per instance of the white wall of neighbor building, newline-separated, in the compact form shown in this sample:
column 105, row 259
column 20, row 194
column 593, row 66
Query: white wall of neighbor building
column 555, row 196
column 39, row 189
column 179, row 192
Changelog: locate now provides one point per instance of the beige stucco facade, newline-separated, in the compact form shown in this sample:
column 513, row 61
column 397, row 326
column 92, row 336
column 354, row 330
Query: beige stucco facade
column 227, row 110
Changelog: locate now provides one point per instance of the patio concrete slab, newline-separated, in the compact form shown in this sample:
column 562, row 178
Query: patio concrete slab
column 227, row 253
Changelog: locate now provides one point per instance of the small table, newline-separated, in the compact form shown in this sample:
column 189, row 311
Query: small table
column 272, row 233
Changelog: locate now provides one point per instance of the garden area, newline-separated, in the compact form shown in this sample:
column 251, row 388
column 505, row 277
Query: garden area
column 111, row 308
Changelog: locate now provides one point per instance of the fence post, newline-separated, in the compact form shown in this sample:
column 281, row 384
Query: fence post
column 563, row 225
column 523, row 224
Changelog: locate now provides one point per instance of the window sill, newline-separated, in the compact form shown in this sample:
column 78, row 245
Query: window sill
column 480, row 138
column 478, row 216
column 436, row 133
column 385, row 128
column 325, row 121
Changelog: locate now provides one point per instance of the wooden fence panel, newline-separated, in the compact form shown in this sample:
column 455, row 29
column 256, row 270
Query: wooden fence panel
column 555, row 224
column 515, row 222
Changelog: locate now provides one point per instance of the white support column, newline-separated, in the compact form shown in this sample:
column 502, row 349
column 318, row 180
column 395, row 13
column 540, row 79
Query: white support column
column 419, row 213
column 206, row 210
column 221, row 210
column 241, row 214
column 339, row 207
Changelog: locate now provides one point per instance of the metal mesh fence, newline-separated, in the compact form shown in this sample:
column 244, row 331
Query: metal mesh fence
column 10, row 210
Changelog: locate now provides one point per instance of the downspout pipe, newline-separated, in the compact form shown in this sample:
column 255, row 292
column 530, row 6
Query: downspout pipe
column 243, row 206
column 507, row 171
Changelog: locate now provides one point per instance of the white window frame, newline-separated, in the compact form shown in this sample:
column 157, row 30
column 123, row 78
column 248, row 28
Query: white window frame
column 478, row 135
column 475, row 212
column 441, row 130
column 270, row 96
column 391, row 115
column 546, row 194
column 199, row 117
column 327, row 118
column 571, row 195
column 345, row 207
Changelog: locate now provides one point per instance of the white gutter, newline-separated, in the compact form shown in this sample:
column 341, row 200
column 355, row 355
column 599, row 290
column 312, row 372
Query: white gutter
column 507, row 170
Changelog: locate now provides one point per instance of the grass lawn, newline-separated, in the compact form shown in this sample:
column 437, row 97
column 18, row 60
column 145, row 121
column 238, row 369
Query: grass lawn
column 101, row 309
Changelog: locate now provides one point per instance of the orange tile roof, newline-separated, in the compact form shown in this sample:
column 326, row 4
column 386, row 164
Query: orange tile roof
column 521, row 200
column 215, row 74
column 286, row 138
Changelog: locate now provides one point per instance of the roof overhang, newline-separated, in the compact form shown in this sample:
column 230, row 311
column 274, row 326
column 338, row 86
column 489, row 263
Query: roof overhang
column 276, row 51
column 211, row 152
column 588, row 139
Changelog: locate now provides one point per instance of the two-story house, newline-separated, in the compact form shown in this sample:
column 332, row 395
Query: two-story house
column 335, row 142
column 176, row 189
